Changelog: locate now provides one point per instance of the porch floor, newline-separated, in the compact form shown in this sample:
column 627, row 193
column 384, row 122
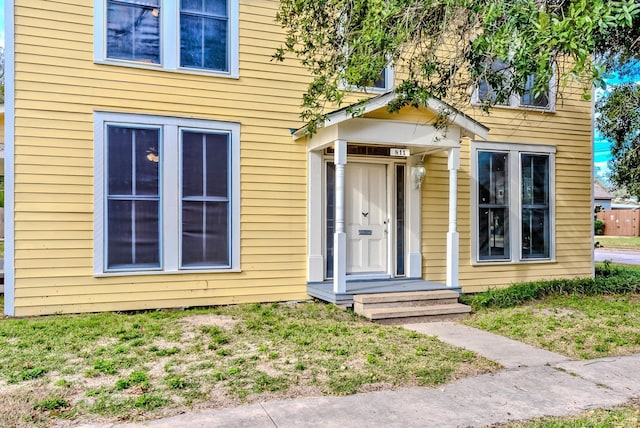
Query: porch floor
column 324, row 290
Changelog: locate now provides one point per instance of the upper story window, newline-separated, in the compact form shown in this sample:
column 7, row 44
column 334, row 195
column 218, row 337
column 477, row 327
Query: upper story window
column 384, row 82
column 485, row 92
column 204, row 34
column 193, row 36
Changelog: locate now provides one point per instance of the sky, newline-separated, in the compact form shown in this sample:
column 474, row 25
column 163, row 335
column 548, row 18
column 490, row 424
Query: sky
column 602, row 147
column 2, row 23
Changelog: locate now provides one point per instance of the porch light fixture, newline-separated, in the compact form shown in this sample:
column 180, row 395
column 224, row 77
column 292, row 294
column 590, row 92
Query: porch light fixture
column 417, row 175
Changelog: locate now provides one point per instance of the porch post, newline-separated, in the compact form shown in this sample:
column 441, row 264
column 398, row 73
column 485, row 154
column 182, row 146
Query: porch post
column 339, row 236
column 452, row 234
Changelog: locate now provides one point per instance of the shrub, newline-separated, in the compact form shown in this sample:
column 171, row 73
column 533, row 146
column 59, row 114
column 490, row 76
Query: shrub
column 609, row 279
column 598, row 227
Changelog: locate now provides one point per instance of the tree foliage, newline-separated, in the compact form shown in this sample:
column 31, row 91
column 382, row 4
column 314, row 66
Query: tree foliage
column 443, row 47
column 619, row 122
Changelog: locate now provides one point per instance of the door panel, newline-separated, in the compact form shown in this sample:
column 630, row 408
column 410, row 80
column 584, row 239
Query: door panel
column 366, row 218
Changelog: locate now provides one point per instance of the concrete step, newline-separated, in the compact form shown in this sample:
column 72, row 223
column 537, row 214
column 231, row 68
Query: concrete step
column 403, row 299
column 416, row 314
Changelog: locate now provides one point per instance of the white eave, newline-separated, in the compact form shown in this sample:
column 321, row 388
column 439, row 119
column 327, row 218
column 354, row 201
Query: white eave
column 455, row 117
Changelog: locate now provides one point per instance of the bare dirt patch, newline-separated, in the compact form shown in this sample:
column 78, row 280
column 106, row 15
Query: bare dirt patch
column 210, row 320
column 557, row 312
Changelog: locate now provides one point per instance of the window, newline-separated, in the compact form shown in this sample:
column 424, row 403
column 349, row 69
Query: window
column 383, row 83
column 485, row 92
column 167, row 194
column 512, row 196
column 196, row 36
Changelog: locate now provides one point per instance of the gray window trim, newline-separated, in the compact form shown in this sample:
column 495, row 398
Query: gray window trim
column 169, row 189
column 515, row 198
column 169, row 40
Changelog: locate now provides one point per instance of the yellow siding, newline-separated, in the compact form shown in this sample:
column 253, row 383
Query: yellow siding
column 569, row 130
column 58, row 87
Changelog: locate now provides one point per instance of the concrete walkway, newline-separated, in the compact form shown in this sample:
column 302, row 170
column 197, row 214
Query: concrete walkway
column 534, row 383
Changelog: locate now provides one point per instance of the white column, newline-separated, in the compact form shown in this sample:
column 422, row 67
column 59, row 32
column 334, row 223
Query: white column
column 452, row 234
column 339, row 236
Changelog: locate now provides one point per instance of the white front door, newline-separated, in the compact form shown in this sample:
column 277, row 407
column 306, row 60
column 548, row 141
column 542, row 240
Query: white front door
column 366, row 218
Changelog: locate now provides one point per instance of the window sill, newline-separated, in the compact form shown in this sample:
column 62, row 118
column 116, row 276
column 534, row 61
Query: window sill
column 234, row 74
column 165, row 272
column 512, row 262
column 551, row 109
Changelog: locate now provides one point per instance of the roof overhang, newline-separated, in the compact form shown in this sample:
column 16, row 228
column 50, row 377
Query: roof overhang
column 349, row 124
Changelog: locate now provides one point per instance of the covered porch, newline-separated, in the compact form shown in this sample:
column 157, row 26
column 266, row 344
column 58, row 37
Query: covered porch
column 365, row 199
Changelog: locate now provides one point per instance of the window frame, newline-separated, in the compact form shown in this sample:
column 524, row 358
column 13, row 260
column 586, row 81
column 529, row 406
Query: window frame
column 170, row 182
column 515, row 151
column 169, row 41
column 515, row 100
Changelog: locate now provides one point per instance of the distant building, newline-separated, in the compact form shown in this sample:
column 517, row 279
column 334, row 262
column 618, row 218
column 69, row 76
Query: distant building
column 601, row 197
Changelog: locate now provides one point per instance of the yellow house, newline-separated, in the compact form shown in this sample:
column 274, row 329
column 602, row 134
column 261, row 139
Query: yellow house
column 151, row 163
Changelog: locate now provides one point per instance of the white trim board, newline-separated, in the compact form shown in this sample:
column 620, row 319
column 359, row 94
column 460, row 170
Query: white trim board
column 9, row 160
column 348, row 113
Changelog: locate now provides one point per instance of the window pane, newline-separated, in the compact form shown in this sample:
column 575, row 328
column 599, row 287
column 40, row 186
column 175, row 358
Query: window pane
column 528, row 99
column 119, row 159
column 493, row 232
column 127, row 177
column 133, row 31
column 216, row 7
column 497, row 76
column 217, row 155
column 205, row 164
column 203, row 42
column 133, row 234
column 535, row 179
column 535, row 206
column 535, row 233
column 493, row 206
column 492, row 178
column 205, row 234
column 192, row 164
column 381, row 82
column 147, row 161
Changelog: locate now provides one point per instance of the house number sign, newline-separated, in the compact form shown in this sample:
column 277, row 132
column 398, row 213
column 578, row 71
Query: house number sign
column 400, row 152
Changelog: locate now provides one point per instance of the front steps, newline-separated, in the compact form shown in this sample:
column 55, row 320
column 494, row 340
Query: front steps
column 410, row 307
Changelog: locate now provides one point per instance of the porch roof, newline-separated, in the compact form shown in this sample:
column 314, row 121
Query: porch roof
column 349, row 124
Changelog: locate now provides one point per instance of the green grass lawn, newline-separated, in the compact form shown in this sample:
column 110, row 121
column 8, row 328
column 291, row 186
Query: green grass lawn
column 123, row 366
column 622, row 242
column 577, row 318
column 581, row 327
